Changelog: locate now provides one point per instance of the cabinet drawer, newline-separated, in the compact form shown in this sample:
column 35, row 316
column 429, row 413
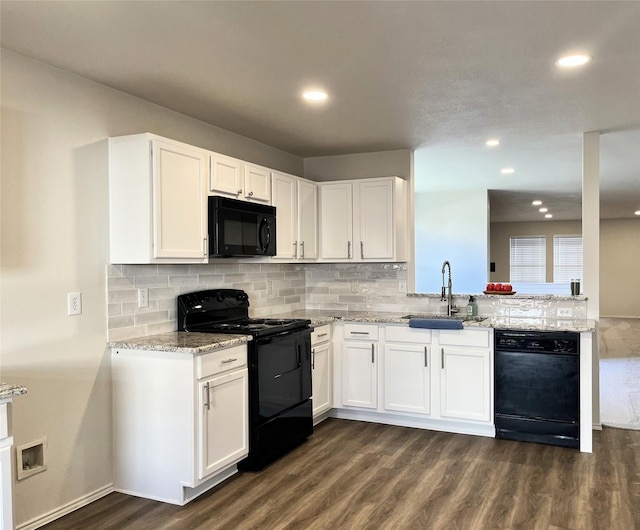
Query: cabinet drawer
column 465, row 337
column 407, row 334
column 220, row 361
column 361, row 331
column 321, row 334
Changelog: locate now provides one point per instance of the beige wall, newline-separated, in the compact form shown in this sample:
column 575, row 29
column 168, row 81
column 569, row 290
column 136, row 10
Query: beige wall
column 620, row 268
column 499, row 242
column 54, row 241
column 361, row 165
column 619, row 258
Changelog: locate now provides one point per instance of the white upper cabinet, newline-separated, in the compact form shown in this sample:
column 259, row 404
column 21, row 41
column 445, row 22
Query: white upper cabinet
column 157, row 200
column 296, row 203
column 363, row 220
column 227, row 177
column 239, row 180
column 336, row 220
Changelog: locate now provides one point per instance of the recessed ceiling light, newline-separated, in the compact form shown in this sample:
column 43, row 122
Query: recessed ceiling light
column 637, row 212
column 315, row 95
column 548, row 215
column 537, row 202
column 570, row 61
column 543, row 210
column 492, row 143
column 507, row 170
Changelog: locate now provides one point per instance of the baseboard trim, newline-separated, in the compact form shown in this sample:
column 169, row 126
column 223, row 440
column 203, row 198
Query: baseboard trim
column 72, row 506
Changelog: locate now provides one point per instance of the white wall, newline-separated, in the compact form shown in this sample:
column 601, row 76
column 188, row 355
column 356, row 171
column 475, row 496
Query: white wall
column 451, row 226
column 55, row 240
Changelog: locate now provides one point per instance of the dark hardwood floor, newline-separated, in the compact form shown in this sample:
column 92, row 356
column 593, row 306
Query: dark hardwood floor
column 353, row 475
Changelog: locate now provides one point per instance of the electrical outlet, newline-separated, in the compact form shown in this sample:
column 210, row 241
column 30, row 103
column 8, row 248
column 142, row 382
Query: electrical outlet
column 566, row 312
column 354, row 286
column 143, row 297
column 74, row 304
column 402, row 286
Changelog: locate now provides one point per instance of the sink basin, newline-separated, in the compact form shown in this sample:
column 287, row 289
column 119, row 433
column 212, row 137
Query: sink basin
column 436, row 323
column 440, row 321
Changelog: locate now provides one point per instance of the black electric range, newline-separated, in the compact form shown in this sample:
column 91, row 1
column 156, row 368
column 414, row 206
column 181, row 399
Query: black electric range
column 279, row 364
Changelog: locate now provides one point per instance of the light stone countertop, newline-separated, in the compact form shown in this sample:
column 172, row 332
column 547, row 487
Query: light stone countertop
column 320, row 317
column 182, row 342
column 8, row 391
column 197, row 343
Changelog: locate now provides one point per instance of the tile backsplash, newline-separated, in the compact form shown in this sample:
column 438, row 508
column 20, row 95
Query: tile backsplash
column 279, row 288
column 272, row 288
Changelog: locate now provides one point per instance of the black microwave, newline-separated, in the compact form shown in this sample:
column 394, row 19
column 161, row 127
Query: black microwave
column 240, row 228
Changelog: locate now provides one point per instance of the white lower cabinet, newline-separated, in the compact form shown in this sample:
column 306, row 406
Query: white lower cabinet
column 321, row 370
column 180, row 421
column 360, row 366
column 223, row 421
column 435, row 379
column 407, row 378
column 465, row 383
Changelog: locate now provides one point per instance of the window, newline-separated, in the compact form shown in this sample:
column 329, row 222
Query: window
column 567, row 258
column 528, row 259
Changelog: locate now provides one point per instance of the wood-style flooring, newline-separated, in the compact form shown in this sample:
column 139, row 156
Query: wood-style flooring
column 356, row 475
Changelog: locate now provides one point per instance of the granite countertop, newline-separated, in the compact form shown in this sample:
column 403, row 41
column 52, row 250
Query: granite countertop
column 182, row 342
column 8, row 391
column 321, row 317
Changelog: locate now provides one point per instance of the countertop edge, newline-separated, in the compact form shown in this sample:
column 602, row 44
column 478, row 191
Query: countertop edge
column 8, row 391
column 181, row 342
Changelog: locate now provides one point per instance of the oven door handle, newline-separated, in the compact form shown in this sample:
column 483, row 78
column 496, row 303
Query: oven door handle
column 269, row 339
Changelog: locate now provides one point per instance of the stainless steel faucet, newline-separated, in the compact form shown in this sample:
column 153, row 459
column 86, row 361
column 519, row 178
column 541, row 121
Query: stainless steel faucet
column 451, row 309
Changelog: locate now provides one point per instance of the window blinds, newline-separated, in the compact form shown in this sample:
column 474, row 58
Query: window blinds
column 527, row 258
column 567, row 258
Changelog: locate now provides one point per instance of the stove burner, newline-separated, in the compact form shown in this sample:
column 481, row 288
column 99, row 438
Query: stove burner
column 275, row 322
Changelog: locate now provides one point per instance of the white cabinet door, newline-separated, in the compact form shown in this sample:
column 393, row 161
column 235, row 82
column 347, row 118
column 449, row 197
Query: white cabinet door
column 375, row 220
column 307, row 219
column 257, row 183
column 336, row 214
column 360, row 374
column 223, row 422
column 284, row 188
column 321, row 377
column 239, row 180
column 180, row 200
column 465, row 383
column 407, row 378
column 227, row 177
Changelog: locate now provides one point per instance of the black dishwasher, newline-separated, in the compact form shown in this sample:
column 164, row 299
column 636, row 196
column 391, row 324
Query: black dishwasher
column 537, row 386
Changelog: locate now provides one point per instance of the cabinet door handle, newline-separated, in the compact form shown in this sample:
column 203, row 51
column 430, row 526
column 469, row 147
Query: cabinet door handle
column 358, row 332
column 313, row 358
column 295, row 249
column 227, row 361
column 373, row 357
column 302, row 249
column 322, row 335
column 204, row 247
column 250, row 194
column 239, row 192
column 348, row 249
column 426, row 362
column 442, row 357
column 208, row 397
column 361, row 249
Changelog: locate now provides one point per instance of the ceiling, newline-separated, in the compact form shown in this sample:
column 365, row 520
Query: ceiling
column 438, row 77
